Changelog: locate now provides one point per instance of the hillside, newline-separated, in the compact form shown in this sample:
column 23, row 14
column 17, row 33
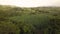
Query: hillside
column 35, row 20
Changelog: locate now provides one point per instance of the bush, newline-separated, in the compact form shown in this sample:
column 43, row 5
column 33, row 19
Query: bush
column 8, row 28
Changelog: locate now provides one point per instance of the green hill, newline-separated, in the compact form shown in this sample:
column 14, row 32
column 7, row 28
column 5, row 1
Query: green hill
column 35, row 20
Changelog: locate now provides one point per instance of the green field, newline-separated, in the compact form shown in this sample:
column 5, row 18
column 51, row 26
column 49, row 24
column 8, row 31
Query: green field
column 22, row 20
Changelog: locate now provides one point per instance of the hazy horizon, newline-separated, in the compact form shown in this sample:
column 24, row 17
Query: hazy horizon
column 30, row 3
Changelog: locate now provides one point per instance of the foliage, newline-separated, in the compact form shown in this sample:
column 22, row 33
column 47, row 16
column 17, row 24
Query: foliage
column 8, row 28
column 38, row 20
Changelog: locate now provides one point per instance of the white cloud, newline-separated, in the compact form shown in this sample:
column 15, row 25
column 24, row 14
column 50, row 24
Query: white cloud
column 30, row 3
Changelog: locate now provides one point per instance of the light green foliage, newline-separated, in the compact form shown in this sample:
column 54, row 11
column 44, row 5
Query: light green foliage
column 31, row 22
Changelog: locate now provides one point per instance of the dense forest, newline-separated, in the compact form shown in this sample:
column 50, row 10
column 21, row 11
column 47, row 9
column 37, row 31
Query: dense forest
column 22, row 20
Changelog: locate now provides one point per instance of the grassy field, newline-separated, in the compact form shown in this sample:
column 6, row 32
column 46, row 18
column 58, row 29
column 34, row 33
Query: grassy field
column 38, row 20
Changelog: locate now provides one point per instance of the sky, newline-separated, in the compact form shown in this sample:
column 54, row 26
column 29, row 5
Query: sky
column 30, row 3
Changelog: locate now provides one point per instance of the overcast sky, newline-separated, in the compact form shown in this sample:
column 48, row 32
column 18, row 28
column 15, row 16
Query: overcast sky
column 30, row 3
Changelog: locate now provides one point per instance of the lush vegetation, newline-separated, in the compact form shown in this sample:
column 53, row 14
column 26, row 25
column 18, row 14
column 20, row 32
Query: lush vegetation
column 38, row 20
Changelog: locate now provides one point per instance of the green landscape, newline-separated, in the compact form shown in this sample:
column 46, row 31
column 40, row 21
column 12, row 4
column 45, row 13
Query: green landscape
column 32, row 20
